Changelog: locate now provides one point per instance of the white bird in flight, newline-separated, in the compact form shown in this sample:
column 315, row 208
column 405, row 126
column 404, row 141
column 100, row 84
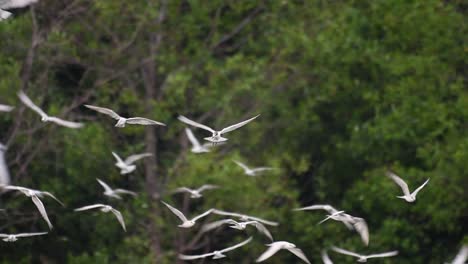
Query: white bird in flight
column 186, row 223
column 357, row 223
column 244, row 217
column 409, row 197
column 254, row 171
column 325, row 258
column 105, row 208
column 276, row 246
column 217, row 254
column 121, row 121
column 238, row 225
column 330, row 209
column 196, row 193
column 45, row 117
column 127, row 165
column 462, row 256
column 9, row 4
column 114, row 193
column 6, row 108
column 14, row 237
column 4, row 174
column 196, row 146
column 35, row 195
column 363, row 258
column 216, row 135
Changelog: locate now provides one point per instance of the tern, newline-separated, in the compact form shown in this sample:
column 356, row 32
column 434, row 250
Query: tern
column 244, row 217
column 330, row 209
column 462, row 256
column 238, row 225
column 325, row 258
column 363, row 258
column 216, row 135
column 254, row 171
column 4, row 174
column 114, row 193
column 409, row 197
column 217, row 254
column 186, row 223
column 105, row 208
column 45, row 117
column 196, row 193
column 14, row 237
column 35, row 195
column 6, row 108
column 276, row 246
column 121, row 121
column 127, row 165
column 9, row 4
column 357, row 223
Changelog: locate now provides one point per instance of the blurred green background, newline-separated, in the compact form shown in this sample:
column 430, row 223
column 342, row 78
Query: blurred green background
column 345, row 90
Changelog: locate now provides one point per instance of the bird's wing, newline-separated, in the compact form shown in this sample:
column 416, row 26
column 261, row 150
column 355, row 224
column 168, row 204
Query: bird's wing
column 4, row 235
column 415, row 192
column 192, row 137
column 119, row 160
column 262, row 220
column 88, row 207
column 202, row 215
column 42, row 210
column 237, row 245
column 262, row 229
column 399, row 181
column 242, row 165
column 216, row 224
column 219, row 212
column 274, row 247
column 5, row 108
column 262, row 169
column 326, row 207
column 106, row 187
column 183, row 189
column 53, row 197
column 132, row 158
column 31, row 234
column 195, row 124
column 16, row 3
column 344, row 251
column 361, row 227
column 4, row 14
column 298, row 252
column 190, row 257
column 123, row 191
column 462, row 255
column 14, row 188
column 143, row 121
column 236, row 126
column 176, row 212
column 207, row 187
column 104, row 110
column 325, row 258
column 119, row 218
column 65, row 123
column 25, row 99
column 383, row 255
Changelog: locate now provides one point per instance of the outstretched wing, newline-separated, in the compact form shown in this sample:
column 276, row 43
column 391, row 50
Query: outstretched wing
column 262, row 229
column 361, row 227
column 262, row 220
column 345, row 252
column 236, row 126
column 202, row 215
column 298, row 252
column 384, row 255
column 42, row 210
column 5, row 108
column 65, row 123
column 262, row 169
column 195, row 124
column 31, row 234
column 274, row 247
column 190, row 257
column 132, row 158
column 119, row 218
column 16, row 3
column 236, row 246
column 325, row 258
column 88, row 207
column 462, row 255
column 415, row 192
column 26, row 101
column 183, row 189
column 52, row 196
column 106, row 187
column 123, row 191
column 216, row 224
column 400, row 182
column 326, row 207
column 242, row 165
column 119, row 160
column 192, row 137
column 176, row 212
column 207, row 187
column 104, row 110
column 143, row 121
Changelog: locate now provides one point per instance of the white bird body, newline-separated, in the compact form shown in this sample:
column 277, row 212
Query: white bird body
column 276, row 246
column 409, row 197
column 217, row 254
column 186, row 223
column 244, row 217
column 114, row 193
column 364, row 258
column 254, row 171
column 14, row 237
column 4, row 174
column 5, row 108
column 45, row 117
column 196, row 193
column 122, row 121
column 127, row 166
column 238, row 225
column 105, row 209
column 9, row 4
column 216, row 135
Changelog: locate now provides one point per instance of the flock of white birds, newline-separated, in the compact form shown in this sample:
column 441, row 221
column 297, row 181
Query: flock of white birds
column 126, row 166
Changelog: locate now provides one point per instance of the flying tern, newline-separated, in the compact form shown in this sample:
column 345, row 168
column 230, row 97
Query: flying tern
column 409, row 197
column 186, row 223
column 244, row 217
column 105, row 208
column 126, row 166
column 114, row 193
column 196, row 193
column 14, row 237
column 276, row 246
column 121, row 121
column 217, row 254
column 253, row 171
column 238, row 225
column 363, row 258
